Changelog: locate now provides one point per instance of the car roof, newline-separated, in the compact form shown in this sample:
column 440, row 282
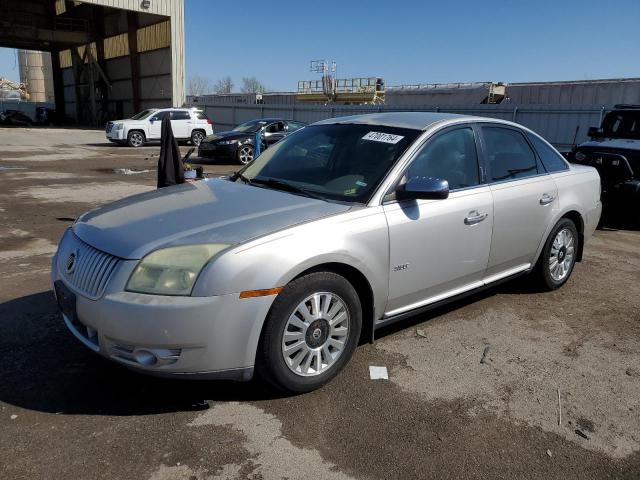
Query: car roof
column 413, row 120
column 186, row 109
column 273, row 119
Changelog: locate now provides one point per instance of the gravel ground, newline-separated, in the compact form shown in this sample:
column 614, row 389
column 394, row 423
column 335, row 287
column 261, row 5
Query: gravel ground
column 66, row 413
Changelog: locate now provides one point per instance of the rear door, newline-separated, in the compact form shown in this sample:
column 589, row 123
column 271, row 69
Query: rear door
column 524, row 199
column 439, row 248
column 181, row 123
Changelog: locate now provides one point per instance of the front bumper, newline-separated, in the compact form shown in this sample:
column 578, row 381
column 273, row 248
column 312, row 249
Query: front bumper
column 116, row 135
column 188, row 337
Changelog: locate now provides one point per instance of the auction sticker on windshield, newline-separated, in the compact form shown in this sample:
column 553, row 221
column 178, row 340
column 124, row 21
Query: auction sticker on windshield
column 383, row 137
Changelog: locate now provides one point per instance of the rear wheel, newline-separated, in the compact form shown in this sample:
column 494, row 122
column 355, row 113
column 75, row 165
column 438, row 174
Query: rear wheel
column 559, row 255
column 245, row 154
column 196, row 137
column 311, row 332
column 135, row 138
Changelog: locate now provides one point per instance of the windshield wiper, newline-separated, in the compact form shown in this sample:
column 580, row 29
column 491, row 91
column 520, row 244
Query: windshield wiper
column 238, row 175
column 287, row 187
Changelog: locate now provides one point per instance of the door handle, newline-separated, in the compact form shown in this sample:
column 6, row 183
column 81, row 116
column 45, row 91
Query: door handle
column 546, row 199
column 475, row 217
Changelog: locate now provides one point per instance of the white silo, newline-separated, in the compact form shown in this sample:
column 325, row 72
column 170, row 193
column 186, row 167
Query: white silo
column 36, row 73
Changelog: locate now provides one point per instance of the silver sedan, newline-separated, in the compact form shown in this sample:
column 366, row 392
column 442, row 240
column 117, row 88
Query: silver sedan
column 341, row 228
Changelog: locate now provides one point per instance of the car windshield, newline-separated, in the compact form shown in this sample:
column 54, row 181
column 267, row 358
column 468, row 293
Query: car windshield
column 142, row 114
column 621, row 124
column 343, row 162
column 252, row 126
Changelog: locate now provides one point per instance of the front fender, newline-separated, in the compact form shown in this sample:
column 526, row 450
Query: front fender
column 358, row 238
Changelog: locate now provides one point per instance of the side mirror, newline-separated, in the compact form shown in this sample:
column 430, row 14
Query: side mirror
column 430, row 188
column 594, row 132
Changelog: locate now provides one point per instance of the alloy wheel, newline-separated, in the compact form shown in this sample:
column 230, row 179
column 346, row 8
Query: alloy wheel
column 196, row 138
column 245, row 154
column 562, row 255
column 316, row 334
column 136, row 139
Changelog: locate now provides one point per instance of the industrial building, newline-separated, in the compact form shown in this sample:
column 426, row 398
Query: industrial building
column 606, row 92
column 109, row 58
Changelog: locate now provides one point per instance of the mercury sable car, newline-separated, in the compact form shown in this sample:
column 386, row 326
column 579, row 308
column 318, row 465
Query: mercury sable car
column 339, row 229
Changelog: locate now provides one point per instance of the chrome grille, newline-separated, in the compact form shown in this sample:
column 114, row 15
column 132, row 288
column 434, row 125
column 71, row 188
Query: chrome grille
column 87, row 269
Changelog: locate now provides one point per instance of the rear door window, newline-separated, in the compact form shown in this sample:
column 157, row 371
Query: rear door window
column 552, row 160
column 509, row 156
column 180, row 115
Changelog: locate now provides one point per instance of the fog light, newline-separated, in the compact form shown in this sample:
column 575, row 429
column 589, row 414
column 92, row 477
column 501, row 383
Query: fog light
column 145, row 357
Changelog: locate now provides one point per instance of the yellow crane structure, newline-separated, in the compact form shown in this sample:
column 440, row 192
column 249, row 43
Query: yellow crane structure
column 8, row 85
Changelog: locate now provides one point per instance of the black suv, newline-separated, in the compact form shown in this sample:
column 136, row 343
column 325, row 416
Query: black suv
column 614, row 150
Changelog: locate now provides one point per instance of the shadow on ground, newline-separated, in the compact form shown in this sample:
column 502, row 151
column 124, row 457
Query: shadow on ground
column 44, row 368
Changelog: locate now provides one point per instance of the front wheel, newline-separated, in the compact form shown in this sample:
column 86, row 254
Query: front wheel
column 559, row 255
column 135, row 138
column 245, row 154
column 311, row 332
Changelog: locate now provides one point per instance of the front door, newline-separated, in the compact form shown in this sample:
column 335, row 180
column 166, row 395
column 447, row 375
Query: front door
column 524, row 199
column 273, row 133
column 439, row 248
column 155, row 125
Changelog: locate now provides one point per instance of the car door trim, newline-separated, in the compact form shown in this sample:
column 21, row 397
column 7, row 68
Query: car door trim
column 457, row 291
column 434, row 302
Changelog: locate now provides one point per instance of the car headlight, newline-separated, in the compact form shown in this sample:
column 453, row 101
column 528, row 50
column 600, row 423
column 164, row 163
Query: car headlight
column 173, row 270
column 118, row 126
column 580, row 156
column 228, row 142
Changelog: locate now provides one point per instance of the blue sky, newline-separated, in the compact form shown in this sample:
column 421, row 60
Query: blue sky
column 409, row 41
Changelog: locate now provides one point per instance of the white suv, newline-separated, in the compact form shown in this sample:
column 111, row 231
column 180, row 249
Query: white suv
column 187, row 124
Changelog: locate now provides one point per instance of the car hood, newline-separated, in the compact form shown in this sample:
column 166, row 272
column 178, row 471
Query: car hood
column 228, row 135
column 207, row 211
column 612, row 143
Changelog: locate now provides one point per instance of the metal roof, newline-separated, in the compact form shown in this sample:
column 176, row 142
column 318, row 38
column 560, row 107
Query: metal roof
column 414, row 120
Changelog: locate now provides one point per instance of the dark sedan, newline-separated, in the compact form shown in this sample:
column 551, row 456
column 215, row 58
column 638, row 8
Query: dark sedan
column 15, row 118
column 238, row 144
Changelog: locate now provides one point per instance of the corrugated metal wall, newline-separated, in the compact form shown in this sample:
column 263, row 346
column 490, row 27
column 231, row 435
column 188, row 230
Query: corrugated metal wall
column 158, row 7
column 465, row 95
column 591, row 92
column 160, row 47
column 556, row 124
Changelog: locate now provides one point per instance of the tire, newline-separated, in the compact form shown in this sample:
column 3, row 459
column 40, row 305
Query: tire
column 558, row 256
column 135, row 138
column 314, row 351
column 196, row 137
column 245, row 154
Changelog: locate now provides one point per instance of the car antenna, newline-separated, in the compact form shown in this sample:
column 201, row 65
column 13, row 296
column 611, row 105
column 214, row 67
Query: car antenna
column 575, row 135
